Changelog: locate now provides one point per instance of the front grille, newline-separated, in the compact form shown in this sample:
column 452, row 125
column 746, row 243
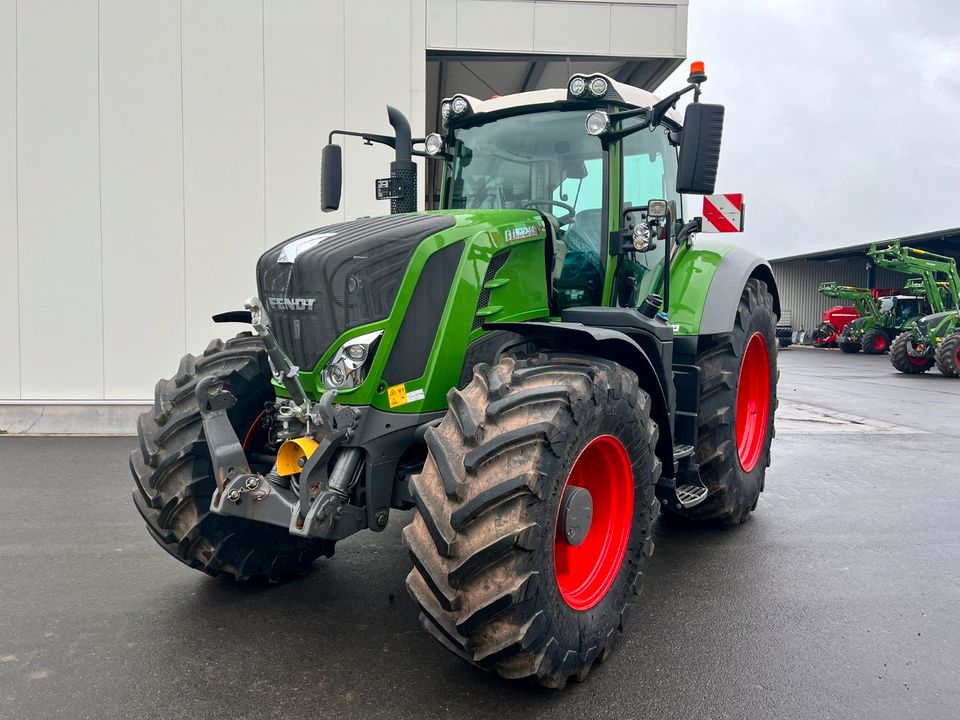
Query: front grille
column 351, row 272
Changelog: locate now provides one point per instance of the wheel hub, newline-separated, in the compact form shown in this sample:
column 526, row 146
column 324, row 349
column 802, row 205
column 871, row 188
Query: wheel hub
column 576, row 513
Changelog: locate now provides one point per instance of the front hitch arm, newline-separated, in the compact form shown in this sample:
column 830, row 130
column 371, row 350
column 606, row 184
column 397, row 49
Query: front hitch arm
column 243, row 493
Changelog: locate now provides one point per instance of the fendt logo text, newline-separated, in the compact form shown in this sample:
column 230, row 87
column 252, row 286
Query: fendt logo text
column 291, row 303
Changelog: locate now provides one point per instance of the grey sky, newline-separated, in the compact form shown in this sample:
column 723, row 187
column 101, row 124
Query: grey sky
column 841, row 115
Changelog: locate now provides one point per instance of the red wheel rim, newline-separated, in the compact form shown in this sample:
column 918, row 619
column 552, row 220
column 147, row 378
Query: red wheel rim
column 753, row 402
column 586, row 571
column 879, row 343
column 917, row 361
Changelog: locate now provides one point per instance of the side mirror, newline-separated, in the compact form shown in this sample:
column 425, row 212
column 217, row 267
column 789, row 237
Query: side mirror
column 700, row 149
column 331, row 177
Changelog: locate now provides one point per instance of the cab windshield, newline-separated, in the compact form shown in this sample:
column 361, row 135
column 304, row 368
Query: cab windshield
column 546, row 161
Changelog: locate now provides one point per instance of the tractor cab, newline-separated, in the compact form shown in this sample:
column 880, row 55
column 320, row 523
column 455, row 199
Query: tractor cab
column 534, row 151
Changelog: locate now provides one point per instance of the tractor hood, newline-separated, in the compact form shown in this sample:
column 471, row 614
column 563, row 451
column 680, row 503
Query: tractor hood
column 930, row 321
column 325, row 281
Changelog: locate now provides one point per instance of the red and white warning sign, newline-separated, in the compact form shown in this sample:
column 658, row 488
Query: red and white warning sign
column 723, row 213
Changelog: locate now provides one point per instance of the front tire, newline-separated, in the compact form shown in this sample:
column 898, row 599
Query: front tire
column 875, row 342
column 496, row 581
column 173, row 473
column 738, row 398
column 948, row 355
column 903, row 361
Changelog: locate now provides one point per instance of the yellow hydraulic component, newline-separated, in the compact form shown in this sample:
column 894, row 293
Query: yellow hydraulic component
column 293, row 453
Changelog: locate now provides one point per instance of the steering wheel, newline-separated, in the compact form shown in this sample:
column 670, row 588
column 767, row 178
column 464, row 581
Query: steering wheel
column 565, row 220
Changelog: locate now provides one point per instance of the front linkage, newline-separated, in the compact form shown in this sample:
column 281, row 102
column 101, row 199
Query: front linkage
column 315, row 506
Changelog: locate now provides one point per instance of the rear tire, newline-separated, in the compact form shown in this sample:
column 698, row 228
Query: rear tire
column 733, row 466
column 903, row 361
column 174, row 479
column 493, row 582
column 948, row 355
column 875, row 342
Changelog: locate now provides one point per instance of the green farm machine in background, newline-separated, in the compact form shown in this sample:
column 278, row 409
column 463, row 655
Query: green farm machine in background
column 533, row 384
column 881, row 319
column 933, row 339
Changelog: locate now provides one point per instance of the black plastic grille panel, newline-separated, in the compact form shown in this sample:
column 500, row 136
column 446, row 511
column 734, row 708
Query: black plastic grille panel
column 496, row 264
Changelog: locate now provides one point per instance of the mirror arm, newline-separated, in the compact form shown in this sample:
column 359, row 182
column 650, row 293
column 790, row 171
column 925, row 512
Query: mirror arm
column 368, row 138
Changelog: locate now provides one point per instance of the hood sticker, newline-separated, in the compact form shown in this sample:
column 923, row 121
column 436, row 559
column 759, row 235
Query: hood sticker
column 397, row 395
column 293, row 248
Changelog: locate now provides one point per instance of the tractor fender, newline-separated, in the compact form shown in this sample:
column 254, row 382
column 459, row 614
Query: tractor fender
column 610, row 345
column 723, row 297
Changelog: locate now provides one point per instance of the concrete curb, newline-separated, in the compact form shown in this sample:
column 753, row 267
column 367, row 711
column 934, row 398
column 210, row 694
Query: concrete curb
column 70, row 418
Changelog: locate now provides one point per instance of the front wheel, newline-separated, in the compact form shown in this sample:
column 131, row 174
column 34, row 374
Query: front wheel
column 948, row 355
column 875, row 342
column 903, row 361
column 173, row 473
column 534, row 511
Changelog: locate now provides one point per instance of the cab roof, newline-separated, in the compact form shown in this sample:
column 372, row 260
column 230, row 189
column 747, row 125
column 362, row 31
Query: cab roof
column 618, row 92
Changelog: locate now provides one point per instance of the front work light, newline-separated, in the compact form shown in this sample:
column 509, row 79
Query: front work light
column 598, row 86
column 598, row 122
column 578, row 86
column 433, row 144
column 657, row 209
column 459, row 105
column 349, row 366
column 445, row 110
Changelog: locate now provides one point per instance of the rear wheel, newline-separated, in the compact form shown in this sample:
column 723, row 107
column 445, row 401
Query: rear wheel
column 875, row 342
column 903, row 361
column 174, row 478
column 534, row 512
column 738, row 397
column 948, row 355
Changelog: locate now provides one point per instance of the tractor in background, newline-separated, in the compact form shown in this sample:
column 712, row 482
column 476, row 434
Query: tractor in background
column 933, row 339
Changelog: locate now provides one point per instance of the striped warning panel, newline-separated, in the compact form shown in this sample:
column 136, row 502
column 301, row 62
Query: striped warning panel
column 723, row 213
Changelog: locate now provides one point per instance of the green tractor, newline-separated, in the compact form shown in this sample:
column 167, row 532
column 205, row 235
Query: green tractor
column 883, row 319
column 533, row 369
column 933, row 339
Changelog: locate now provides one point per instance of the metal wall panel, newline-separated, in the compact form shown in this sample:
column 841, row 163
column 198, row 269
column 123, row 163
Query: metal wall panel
column 61, row 331
column 141, row 166
column 441, row 23
column 639, row 30
column 572, row 28
column 798, row 281
column 9, row 257
column 223, row 157
column 495, row 25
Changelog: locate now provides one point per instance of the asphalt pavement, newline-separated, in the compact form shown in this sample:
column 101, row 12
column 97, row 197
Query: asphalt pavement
column 839, row 598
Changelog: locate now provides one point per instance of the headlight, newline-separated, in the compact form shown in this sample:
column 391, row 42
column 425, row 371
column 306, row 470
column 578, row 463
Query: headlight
column 445, row 110
column 433, row 144
column 598, row 122
column 350, row 364
column 598, row 86
column 578, row 86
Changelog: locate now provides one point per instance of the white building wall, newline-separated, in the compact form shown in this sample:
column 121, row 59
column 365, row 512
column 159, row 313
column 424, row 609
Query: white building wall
column 150, row 150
